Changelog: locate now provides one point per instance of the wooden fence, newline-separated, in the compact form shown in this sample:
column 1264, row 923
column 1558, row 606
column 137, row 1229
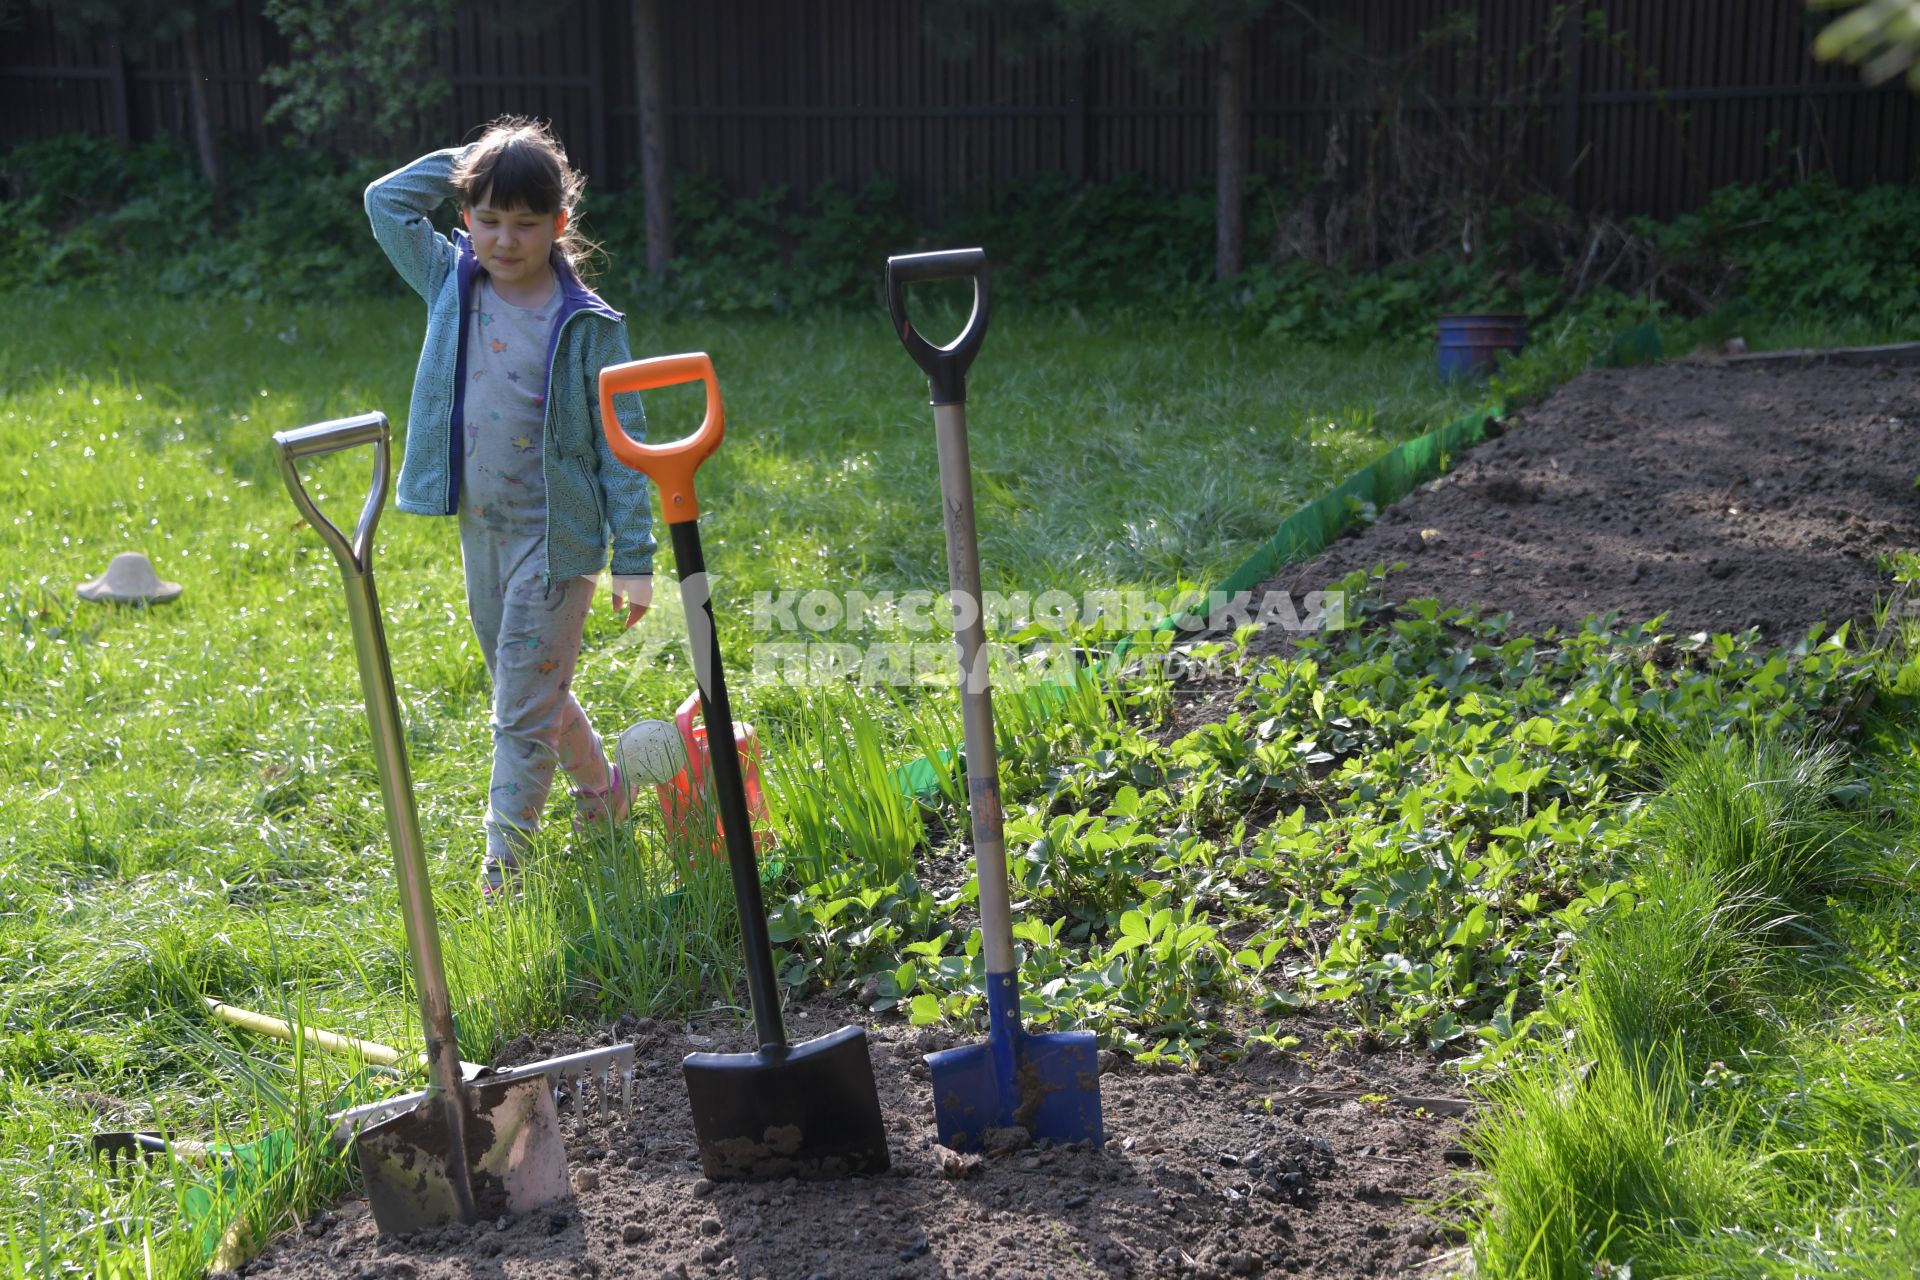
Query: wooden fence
column 1684, row 96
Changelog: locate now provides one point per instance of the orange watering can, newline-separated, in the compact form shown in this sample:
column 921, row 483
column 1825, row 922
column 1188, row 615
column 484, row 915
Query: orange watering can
column 686, row 799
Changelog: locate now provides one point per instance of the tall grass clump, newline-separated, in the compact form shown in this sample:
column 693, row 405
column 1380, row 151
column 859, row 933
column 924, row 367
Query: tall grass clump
column 1675, row 976
column 1697, row 1120
column 832, row 792
column 1602, row 1162
column 1754, row 814
column 1734, row 854
column 648, row 921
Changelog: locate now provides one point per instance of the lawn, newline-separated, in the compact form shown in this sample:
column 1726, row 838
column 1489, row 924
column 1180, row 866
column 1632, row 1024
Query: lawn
column 186, row 796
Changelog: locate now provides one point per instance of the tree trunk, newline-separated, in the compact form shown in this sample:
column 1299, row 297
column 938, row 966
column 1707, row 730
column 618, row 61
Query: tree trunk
column 1230, row 134
column 656, row 178
column 202, row 122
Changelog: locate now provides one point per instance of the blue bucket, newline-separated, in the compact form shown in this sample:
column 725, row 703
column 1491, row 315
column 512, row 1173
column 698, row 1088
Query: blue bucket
column 1469, row 343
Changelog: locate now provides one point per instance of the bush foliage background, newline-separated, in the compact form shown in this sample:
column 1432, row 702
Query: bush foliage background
column 85, row 213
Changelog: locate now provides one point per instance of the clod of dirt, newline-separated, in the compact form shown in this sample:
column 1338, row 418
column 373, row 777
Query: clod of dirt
column 1000, row 1142
column 1506, row 491
column 956, row 1164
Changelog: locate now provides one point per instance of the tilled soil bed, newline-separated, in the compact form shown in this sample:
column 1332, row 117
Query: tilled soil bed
column 1723, row 497
column 1262, row 1166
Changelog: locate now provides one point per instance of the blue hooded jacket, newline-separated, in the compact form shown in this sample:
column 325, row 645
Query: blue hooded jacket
column 591, row 496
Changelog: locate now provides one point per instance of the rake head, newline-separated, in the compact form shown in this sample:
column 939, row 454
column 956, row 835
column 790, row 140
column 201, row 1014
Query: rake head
column 593, row 1088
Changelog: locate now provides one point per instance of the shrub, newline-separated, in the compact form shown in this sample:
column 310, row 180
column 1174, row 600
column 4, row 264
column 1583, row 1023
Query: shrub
column 84, row 212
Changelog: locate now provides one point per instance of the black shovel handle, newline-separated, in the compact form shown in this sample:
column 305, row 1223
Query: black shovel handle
column 729, row 787
column 945, row 367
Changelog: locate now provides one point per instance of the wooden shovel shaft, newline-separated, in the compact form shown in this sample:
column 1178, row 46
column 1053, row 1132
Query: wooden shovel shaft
column 976, row 692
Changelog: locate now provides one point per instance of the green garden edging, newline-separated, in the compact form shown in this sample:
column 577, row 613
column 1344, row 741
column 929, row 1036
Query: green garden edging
column 1308, row 531
column 1302, row 535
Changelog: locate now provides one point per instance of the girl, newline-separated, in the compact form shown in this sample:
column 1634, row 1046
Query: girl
column 503, row 431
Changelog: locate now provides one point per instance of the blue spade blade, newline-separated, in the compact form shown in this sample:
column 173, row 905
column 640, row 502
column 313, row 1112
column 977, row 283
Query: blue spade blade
column 1047, row 1084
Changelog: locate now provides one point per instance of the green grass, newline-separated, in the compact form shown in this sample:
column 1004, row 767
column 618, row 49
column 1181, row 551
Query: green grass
column 1737, row 1093
column 187, row 805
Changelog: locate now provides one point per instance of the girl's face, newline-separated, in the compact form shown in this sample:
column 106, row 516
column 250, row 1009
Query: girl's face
column 513, row 244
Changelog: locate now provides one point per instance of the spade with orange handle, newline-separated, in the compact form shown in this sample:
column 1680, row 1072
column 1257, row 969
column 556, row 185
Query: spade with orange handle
column 806, row 1110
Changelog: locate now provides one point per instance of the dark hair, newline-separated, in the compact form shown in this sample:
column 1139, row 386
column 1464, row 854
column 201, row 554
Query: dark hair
column 517, row 161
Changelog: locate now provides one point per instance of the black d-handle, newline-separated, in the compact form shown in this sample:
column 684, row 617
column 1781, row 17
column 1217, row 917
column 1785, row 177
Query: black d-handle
column 946, row 367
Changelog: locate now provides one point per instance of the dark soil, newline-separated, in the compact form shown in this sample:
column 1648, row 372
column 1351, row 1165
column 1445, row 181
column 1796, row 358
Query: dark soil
column 1722, row 497
column 1264, row 1166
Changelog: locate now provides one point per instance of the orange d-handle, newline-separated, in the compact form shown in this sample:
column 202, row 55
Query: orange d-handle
column 669, row 466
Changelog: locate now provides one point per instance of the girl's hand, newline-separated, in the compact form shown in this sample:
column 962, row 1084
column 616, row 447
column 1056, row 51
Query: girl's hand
column 634, row 593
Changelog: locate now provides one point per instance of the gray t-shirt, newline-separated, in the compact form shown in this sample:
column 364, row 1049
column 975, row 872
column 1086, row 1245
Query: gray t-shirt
column 505, row 409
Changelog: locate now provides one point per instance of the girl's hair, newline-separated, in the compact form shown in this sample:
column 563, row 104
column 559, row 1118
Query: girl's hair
column 517, row 161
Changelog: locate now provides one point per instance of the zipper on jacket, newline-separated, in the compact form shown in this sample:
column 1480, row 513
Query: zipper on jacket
column 457, row 401
column 599, row 509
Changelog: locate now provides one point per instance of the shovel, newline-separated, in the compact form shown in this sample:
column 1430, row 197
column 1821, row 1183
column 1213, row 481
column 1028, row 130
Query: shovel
column 1048, row 1084
column 464, row 1151
column 807, row 1110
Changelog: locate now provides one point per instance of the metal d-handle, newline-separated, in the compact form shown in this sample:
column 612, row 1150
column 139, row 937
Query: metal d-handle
column 945, row 367
column 356, row 556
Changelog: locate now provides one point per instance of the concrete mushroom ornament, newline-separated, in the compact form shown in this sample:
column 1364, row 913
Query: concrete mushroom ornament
column 129, row 579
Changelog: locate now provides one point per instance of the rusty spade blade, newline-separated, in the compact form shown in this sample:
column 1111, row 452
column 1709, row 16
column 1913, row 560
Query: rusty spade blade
column 514, row 1159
